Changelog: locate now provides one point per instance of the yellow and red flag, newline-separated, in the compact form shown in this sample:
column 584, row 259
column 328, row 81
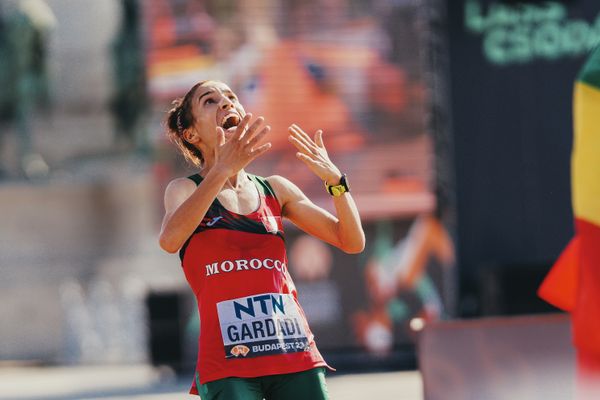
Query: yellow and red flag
column 573, row 284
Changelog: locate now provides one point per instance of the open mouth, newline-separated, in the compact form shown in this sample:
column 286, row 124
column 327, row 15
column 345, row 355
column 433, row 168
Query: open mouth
column 230, row 121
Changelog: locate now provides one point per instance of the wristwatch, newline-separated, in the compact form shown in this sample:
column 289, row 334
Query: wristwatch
column 338, row 190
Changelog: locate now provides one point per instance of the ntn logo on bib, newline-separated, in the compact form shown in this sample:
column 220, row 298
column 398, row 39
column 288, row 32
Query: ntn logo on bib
column 265, row 324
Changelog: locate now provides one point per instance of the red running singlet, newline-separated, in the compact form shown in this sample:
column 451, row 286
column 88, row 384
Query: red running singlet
column 251, row 323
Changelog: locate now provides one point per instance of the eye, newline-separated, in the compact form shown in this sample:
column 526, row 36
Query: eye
column 232, row 97
column 209, row 100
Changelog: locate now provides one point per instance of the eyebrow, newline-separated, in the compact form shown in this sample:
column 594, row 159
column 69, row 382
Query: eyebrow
column 205, row 93
column 227, row 91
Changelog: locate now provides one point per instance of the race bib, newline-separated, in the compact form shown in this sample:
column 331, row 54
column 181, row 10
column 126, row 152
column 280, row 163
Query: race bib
column 261, row 325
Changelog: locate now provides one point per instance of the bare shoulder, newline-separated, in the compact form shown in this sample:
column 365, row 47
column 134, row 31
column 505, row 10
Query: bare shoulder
column 177, row 191
column 180, row 185
column 285, row 189
column 281, row 184
column 277, row 181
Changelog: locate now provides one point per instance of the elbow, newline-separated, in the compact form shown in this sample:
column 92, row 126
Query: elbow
column 167, row 245
column 354, row 248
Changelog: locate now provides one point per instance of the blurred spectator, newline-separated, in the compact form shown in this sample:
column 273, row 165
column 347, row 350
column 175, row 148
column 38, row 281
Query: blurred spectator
column 25, row 27
column 130, row 99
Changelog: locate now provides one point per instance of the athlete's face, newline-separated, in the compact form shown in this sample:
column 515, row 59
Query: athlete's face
column 214, row 104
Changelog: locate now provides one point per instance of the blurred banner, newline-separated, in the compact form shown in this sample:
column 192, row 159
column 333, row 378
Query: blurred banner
column 512, row 135
column 353, row 69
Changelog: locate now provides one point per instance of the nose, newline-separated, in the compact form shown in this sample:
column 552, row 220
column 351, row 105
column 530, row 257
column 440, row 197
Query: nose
column 226, row 103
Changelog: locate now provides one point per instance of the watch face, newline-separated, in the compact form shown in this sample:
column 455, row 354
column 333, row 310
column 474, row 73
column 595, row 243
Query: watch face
column 338, row 190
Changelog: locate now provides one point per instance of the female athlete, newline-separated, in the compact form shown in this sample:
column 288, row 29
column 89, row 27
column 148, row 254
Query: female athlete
column 226, row 223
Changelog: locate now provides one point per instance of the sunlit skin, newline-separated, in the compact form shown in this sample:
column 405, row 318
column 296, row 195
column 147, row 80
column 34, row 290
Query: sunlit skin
column 227, row 150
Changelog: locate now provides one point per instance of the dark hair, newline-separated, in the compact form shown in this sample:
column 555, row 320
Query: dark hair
column 180, row 118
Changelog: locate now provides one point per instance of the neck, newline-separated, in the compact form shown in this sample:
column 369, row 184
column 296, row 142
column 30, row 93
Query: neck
column 209, row 162
column 232, row 182
column 235, row 181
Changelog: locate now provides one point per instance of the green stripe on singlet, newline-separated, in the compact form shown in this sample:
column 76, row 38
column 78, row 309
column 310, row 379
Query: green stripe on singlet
column 196, row 178
column 263, row 185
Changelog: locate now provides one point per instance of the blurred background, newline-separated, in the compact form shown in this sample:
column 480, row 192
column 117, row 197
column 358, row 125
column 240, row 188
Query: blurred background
column 452, row 120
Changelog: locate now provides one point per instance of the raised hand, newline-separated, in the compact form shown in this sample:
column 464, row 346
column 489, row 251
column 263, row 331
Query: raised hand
column 312, row 152
column 239, row 150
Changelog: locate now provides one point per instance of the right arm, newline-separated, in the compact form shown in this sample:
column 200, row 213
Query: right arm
column 185, row 206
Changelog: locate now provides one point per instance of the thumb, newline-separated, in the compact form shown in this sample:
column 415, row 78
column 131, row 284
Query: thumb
column 221, row 136
column 319, row 138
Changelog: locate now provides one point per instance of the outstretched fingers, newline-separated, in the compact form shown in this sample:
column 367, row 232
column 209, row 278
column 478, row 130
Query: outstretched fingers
column 303, row 157
column 311, row 163
column 253, row 128
column 300, row 145
column 240, row 131
column 260, row 150
column 312, row 152
column 303, row 138
column 319, row 139
column 252, row 136
column 221, row 136
column 258, row 137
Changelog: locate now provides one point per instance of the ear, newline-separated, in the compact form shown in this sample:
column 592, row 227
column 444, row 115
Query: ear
column 191, row 136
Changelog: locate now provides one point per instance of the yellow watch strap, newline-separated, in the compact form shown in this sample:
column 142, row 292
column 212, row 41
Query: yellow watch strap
column 337, row 190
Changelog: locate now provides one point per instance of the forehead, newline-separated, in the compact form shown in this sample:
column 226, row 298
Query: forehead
column 211, row 86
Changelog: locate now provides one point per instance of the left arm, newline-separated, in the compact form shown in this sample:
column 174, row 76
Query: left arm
column 343, row 230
